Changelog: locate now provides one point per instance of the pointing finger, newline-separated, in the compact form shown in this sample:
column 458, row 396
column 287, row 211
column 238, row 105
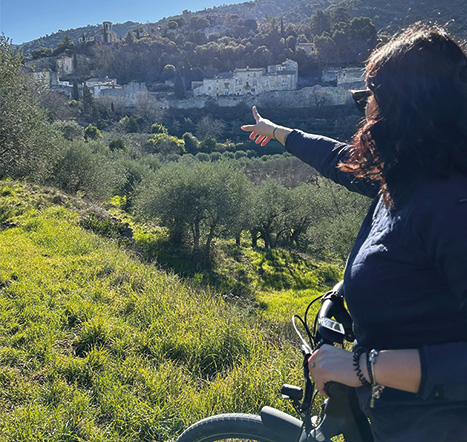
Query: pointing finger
column 256, row 114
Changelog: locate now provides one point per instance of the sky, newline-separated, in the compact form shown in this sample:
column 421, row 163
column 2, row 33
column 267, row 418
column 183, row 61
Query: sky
column 26, row 20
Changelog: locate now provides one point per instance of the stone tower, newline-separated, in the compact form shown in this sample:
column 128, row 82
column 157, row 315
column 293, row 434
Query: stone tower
column 109, row 35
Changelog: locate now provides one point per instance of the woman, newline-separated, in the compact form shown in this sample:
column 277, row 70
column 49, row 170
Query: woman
column 406, row 276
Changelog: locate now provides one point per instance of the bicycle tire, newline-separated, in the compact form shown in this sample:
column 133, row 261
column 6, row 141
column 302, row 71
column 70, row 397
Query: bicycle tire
column 226, row 427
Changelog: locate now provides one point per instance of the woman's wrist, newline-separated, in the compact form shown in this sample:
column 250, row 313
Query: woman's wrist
column 280, row 133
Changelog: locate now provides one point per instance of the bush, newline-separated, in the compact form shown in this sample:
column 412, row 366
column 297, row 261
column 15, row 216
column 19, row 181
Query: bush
column 85, row 167
column 166, row 144
column 157, row 128
column 71, row 130
column 118, row 144
column 208, row 145
column 131, row 124
column 92, row 133
column 191, row 142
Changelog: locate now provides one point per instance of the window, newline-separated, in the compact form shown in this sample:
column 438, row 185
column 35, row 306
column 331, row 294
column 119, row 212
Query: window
column 227, row 85
column 255, row 82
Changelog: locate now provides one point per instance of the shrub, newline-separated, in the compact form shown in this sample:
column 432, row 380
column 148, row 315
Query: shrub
column 84, row 167
column 166, row 144
column 118, row 144
column 92, row 133
column 157, row 128
column 70, row 129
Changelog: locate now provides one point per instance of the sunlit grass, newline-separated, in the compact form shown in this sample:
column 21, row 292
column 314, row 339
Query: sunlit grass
column 96, row 345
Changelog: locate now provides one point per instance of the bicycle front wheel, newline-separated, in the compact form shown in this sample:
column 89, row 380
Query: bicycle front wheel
column 233, row 427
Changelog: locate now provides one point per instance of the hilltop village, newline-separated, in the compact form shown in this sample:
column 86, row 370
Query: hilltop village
column 276, row 83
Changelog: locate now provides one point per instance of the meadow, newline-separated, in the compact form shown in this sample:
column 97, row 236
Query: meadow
column 98, row 343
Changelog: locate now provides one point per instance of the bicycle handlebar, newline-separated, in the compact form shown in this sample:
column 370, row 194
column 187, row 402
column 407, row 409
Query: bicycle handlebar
column 342, row 402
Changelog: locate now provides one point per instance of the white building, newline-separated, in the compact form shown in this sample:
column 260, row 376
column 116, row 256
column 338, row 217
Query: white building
column 307, row 47
column 97, row 85
column 252, row 81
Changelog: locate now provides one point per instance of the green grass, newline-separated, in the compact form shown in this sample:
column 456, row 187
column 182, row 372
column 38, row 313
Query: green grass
column 97, row 345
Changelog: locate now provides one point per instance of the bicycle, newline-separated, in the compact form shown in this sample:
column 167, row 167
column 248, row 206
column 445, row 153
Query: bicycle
column 340, row 413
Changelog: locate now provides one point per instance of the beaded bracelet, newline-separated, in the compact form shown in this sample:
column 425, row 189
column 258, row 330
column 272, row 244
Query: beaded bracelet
column 356, row 363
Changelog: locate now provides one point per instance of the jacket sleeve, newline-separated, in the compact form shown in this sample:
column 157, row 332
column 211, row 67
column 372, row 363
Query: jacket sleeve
column 442, row 220
column 324, row 154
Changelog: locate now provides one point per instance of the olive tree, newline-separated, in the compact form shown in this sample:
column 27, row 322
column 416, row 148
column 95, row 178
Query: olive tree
column 269, row 213
column 28, row 144
column 196, row 201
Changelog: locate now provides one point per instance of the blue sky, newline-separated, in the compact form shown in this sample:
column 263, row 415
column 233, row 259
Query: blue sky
column 26, row 20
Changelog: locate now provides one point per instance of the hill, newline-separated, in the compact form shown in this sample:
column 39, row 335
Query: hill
column 52, row 40
column 384, row 14
column 96, row 344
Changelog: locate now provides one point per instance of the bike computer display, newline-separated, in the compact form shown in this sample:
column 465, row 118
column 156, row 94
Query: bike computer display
column 331, row 330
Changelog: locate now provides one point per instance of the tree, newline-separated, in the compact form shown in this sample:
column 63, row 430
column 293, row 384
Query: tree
column 197, row 202
column 191, row 142
column 362, row 37
column 28, row 145
column 88, row 103
column 66, row 45
column 208, row 145
column 320, row 22
column 209, row 127
column 41, row 53
column 169, row 72
column 158, row 128
column 270, row 208
column 326, row 48
column 147, row 107
column 70, row 130
column 179, row 87
column 75, row 93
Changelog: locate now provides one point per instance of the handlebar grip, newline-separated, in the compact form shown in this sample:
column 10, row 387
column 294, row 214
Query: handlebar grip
column 336, row 390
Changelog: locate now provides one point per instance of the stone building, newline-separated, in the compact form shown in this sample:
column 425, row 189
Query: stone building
column 307, row 47
column 252, row 81
column 64, row 66
column 344, row 77
column 108, row 35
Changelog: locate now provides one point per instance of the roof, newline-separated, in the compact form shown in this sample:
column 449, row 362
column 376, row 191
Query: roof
column 224, row 75
column 281, row 72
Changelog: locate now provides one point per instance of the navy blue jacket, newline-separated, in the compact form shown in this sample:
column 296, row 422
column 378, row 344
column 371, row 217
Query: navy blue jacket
column 406, row 287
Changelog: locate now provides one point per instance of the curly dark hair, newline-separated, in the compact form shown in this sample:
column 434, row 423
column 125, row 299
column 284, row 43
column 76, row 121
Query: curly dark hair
column 416, row 121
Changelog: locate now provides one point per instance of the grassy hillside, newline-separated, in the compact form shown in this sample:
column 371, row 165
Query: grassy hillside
column 96, row 345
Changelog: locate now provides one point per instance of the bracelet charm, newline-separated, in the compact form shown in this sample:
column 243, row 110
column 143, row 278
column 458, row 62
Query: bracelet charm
column 376, row 389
